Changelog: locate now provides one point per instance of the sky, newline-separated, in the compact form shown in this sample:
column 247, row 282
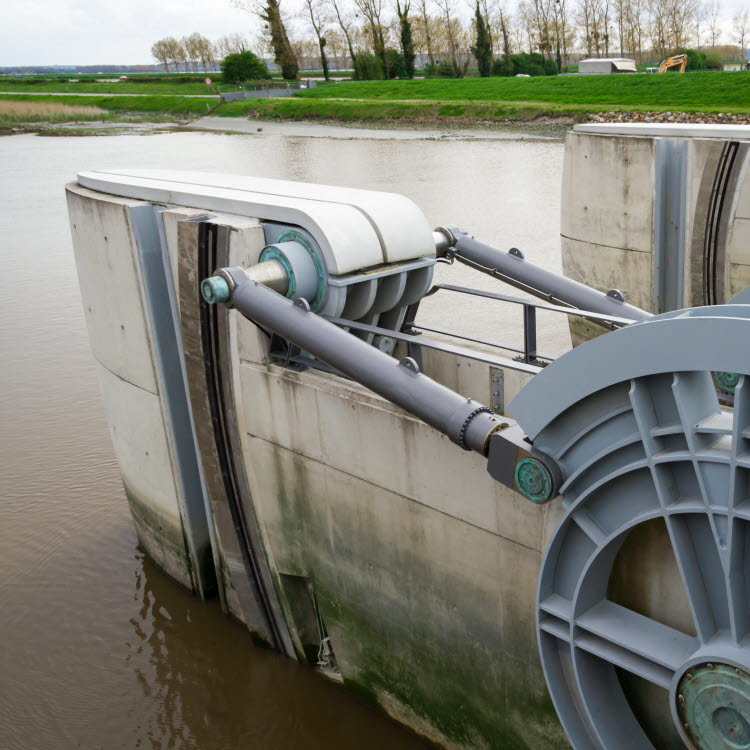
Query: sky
column 91, row 32
column 121, row 32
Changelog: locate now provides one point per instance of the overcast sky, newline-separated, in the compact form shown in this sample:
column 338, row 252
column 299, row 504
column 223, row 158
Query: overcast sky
column 90, row 32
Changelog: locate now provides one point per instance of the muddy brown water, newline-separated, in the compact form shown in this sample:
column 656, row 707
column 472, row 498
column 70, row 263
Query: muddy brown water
column 98, row 649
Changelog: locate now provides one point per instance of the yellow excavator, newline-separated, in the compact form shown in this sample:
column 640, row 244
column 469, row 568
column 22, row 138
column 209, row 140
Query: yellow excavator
column 676, row 61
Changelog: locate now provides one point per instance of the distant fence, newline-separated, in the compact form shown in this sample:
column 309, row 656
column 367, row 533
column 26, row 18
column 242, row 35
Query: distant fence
column 271, row 89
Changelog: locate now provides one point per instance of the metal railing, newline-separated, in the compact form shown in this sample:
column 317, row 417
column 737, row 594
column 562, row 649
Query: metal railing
column 529, row 354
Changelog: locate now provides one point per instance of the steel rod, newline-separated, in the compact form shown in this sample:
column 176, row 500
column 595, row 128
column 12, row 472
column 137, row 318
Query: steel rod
column 462, row 420
column 540, row 282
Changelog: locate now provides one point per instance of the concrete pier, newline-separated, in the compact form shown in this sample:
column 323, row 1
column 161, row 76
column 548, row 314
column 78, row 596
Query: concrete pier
column 660, row 212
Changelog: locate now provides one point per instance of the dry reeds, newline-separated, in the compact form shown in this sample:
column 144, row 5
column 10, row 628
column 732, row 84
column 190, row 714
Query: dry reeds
column 14, row 112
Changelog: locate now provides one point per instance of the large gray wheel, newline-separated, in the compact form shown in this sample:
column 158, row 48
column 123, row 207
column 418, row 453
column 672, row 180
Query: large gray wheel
column 634, row 419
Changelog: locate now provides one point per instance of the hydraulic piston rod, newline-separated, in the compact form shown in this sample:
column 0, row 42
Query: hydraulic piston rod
column 512, row 268
column 466, row 422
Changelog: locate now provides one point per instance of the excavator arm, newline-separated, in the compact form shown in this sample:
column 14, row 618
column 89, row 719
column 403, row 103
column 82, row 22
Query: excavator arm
column 676, row 61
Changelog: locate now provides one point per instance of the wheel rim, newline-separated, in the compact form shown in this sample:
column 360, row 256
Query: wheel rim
column 646, row 448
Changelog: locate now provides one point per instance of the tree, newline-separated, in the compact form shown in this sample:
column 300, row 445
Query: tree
column 206, row 53
column 243, row 66
column 346, row 24
column 317, row 22
column 395, row 66
column 427, row 21
column 192, row 45
column 482, row 49
column 368, row 67
column 451, row 27
column 714, row 29
column 175, row 51
column 406, row 36
column 373, row 13
column 283, row 52
column 160, row 52
column 229, row 44
column 740, row 26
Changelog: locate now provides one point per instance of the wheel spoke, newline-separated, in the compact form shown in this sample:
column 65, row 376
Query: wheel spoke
column 738, row 585
column 634, row 642
column 695, row 549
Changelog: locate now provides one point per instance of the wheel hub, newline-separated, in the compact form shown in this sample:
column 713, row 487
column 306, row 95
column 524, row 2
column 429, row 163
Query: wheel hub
column 713, row 704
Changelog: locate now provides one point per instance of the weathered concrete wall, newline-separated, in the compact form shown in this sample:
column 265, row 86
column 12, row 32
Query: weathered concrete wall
column 122, row 342
column 423, row 566
column 609, row 223
column 739, row 239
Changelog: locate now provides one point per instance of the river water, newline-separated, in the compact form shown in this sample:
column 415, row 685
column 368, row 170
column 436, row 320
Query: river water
column 97, row 648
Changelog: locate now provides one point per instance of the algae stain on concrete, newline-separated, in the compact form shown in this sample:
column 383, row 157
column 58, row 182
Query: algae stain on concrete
column 411, row 630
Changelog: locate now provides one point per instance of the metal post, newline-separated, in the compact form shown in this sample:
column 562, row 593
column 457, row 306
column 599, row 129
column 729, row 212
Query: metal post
column 529, row 334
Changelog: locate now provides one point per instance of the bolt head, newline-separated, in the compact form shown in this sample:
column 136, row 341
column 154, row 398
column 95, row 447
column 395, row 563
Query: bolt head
column 215, row 290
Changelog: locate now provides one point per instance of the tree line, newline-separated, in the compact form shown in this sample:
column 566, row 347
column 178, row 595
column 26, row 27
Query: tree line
column 391, row 38
column 196, row 52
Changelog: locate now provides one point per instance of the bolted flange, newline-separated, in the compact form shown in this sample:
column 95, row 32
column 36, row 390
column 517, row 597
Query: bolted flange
column 713, row 705
column 726, row 381
column 533, row 480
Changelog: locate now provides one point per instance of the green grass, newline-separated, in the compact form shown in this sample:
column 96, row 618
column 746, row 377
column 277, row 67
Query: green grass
column 179, row 106
column 121, row 87
column 157, row 85
column 293, row 108
column 699, row 91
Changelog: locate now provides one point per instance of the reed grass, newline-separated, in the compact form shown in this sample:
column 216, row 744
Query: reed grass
column 14, row 113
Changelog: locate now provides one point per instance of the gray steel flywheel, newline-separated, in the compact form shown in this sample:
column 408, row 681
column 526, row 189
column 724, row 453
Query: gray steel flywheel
column 634, row 419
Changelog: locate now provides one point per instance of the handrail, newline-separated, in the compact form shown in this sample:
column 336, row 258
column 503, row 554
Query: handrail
column 531, row 303
column 529, row 354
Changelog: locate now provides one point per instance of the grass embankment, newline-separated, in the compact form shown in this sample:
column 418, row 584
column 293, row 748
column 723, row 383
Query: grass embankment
column 462, row 102
column 506, row 100
column 293, row 108
column 700, row 91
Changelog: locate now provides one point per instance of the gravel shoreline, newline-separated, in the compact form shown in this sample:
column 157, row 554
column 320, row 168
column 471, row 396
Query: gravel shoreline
column 702, row 118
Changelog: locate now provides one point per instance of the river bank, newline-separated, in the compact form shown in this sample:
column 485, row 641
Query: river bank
column 527, row 104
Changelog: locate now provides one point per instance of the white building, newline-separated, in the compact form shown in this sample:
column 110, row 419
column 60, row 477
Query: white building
column 606, row 65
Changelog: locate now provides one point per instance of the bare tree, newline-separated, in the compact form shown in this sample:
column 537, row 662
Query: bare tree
column 373, row 12
column 192, row 45
column 318, row 22
column 713, row 8
column 161, row 53
column 426, row 30
column 175, row 52
column 346, row 22
column 230, row 44
column 205, row 53
column 450, row 27
column 741, row 26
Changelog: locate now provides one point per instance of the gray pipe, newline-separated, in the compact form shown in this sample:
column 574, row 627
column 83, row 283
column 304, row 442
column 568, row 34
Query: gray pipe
column 399, row 382
column 512, row 268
